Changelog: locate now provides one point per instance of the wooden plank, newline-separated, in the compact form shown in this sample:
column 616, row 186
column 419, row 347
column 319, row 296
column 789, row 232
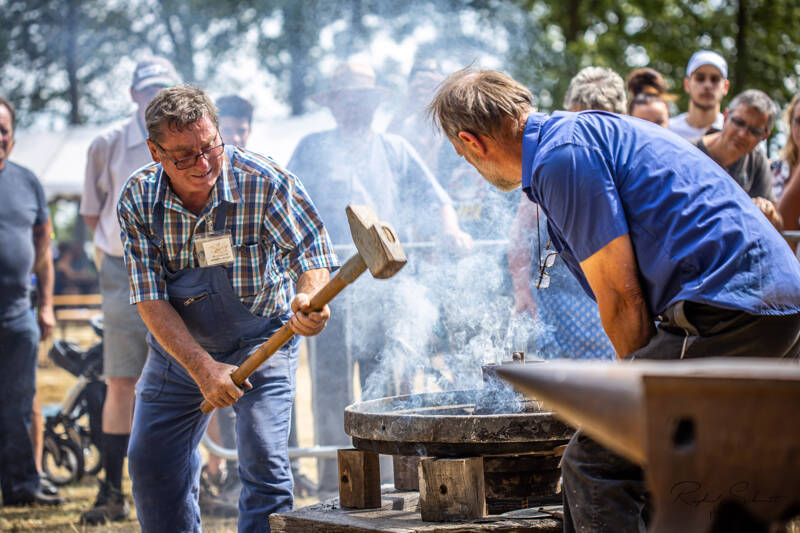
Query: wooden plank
column 359, row 479
column 77, row 300
column 76, row 315
column 406, row 472
column 398, row 514
column 451, row 489
column 530, row 477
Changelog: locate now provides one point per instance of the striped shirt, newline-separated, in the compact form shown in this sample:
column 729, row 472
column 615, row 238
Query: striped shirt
column 276, row 231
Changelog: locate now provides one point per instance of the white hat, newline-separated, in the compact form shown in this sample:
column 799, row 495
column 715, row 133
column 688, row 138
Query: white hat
column 152, row 71
column 351, row 77
column 707, row 57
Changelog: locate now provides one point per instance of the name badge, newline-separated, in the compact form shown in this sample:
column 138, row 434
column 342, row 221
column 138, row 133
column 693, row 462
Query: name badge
column 213, row 250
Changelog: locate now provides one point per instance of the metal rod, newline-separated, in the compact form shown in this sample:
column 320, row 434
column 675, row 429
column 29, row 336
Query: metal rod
column 230, row 453
column 428, row 245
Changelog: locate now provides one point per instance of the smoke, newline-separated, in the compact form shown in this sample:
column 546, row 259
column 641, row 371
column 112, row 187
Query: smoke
column 446, row 317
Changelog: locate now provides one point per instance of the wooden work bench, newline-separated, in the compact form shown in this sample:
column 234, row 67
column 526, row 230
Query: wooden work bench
column 399, row 513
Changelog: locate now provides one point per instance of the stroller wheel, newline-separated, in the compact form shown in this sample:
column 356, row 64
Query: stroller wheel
column 92, row 457
column 62, row 460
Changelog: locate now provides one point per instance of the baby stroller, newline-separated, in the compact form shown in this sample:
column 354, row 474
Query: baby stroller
column 73, row 430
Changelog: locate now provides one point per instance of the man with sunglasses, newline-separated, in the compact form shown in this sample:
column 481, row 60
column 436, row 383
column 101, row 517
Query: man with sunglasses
column 748, row 121
column 679, row 260
column 706, row 84
column 112, row 157
column 219, row 244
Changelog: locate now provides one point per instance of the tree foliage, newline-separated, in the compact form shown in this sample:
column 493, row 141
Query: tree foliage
column 63, row 57
column 54, row 55
column 757, row 38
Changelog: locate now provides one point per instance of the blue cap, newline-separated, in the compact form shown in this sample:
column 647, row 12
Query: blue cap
column 707, row 57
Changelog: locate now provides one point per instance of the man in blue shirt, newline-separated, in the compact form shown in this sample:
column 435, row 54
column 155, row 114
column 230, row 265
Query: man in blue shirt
column 680, row 261
column 25, row 231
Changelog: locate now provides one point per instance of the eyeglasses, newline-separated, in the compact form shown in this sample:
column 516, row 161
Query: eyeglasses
column 188, row 162
column 752, row 130
column 549, row 259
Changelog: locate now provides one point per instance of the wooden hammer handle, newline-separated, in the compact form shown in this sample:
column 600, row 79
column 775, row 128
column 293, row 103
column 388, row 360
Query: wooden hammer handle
column 354, row 267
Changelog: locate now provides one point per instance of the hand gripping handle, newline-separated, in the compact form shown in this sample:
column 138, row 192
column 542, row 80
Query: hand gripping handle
column 354, row 267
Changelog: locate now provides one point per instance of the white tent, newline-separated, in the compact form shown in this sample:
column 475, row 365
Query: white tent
column 59, row 158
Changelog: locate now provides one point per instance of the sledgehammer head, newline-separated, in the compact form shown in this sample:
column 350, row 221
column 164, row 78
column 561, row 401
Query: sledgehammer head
column 376, row 242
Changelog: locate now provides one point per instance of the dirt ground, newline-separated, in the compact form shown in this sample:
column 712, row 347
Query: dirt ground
column 53, row 383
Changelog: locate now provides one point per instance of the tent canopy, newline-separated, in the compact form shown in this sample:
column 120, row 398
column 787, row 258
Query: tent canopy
column 58, row 158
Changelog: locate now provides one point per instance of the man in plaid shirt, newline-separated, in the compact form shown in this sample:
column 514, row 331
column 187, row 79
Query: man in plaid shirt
column 217, row 241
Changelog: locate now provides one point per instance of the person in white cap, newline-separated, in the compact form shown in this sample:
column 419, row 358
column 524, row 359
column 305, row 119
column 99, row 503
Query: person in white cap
column 706, row 83
column 113, row 156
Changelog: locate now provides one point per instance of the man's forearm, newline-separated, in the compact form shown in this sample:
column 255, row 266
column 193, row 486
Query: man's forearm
column 520, row 253
column 613, row 275
column 169, row 330
column 449, row 219
column 91, row 221
column 45, row 275
column 43, row 263
column 311, row 281
column 627, row 323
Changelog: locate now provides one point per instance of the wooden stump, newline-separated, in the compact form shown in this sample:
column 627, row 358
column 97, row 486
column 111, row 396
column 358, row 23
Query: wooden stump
column 406, row 472
column 451, row 489
column 359, row 479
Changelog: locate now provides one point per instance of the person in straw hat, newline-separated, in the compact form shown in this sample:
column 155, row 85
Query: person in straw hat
column 353, row 163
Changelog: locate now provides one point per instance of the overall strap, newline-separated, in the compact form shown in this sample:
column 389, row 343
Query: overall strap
column 221, row 216
column 157, row 235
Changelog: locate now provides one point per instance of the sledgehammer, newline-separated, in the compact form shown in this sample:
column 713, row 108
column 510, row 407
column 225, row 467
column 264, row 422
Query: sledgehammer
column 378, row 249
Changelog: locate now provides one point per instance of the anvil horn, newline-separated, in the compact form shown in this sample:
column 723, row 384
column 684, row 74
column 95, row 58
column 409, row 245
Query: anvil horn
column 604, row 399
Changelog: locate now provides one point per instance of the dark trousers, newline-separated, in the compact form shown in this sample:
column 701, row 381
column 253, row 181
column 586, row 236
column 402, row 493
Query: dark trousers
column 605, row 493
column 19, row 340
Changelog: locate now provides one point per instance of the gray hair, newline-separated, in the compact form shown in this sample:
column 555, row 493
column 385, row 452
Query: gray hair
column 479, row 102
column 177, row 107
column 597, row 88
column 758, row 100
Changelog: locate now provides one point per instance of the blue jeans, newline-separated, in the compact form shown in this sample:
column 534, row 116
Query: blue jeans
column 164, row 461
column 19, row 341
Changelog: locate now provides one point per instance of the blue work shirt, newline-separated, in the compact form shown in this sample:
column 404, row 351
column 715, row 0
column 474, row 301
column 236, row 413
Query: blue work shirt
column 696, row 234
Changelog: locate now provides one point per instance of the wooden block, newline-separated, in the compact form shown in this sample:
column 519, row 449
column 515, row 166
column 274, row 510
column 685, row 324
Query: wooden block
column 406, row 472
column 451, row 489
column 359, row 479
column 76, row 300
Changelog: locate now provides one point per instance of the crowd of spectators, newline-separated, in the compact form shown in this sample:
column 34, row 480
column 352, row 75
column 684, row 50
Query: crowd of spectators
column 413, row 177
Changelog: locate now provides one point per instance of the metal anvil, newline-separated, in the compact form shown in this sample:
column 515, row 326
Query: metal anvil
column 719, row 438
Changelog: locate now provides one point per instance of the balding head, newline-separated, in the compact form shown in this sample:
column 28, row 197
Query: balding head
column 481, row 102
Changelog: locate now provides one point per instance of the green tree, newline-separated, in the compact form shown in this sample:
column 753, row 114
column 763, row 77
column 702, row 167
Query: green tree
column 198, row 36
column 60, row 56
column 757, row 38
column 56, row 54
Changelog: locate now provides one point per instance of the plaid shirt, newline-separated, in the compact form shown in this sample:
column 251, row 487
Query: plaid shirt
column 276, row 231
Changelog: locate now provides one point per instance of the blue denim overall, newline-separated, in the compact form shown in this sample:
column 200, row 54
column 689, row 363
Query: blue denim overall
column 164, row 462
